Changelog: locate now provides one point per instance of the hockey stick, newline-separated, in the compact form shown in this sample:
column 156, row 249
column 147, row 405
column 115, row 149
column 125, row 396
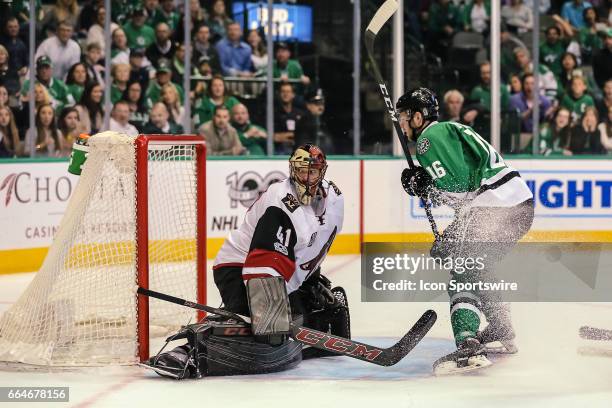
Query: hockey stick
column 326, row 341
column 383, row 14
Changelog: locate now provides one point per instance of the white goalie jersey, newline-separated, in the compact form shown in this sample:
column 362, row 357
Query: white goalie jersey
column 280, row 237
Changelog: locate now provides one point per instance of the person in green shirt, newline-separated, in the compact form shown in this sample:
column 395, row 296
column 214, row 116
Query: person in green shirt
column 121, row 76
column 552, row 50
column 493, row 210
column 555, row 135
column 287, row 68
column 252, row 137
column 445, row 19
column 216, row 95
column 577, row 100
column 57, row 89
column 76, row 79
column 166, row 14
column 588, row 37
column 163, row 76
column 139, row 34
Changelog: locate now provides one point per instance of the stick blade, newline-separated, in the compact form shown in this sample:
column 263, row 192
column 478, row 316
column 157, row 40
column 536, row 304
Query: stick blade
column 399, row 350
column 384, row 13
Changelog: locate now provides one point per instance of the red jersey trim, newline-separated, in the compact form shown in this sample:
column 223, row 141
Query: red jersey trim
column 272, row 259
column 228, row 264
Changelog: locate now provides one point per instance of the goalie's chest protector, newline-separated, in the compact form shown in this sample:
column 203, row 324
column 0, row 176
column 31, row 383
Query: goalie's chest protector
column 280, row 237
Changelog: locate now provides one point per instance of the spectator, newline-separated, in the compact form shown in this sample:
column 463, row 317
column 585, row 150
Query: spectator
column 453, row 104
column 119, row 120
column 167, row 14
column 58, row 91
column 178, row 64
column 121, row 77
column 216, row 96
column 235, row 54
column 552, row 50
column 555, row 135
column 199, row 17
column 202, row 47
column 517, row 16
column 251, row 136
column 139, row 34
column 95, row 34
column 151, row 8
column 286, row 68
column 10, row 145
column 311, row 127
column 585, row 137
column 444, row 21
column 286, row 116
column 76, row 80
column 544, row 5
column 9, row 76
column 4, row 96
column 577, row 100
column 163, row 76
column 572, row 12
column 523, row 102
column 170, row 98
column 95, row 70
column 120, row 52
column 602, row 61
column 259, row 55
column 480, row 97
column 605, row 131
column 138, row 72
column 221, row 138
column 205, row 72
column 91, row 110
column 477, row 16
column 509, row 43
column 87, row 16
column 68, row 125
column 589, row 39
column 569, row 63
column 605, row 103
column 159, row 123
column 45, row 139
column 63, row 11
column 19, row 54
column 516, row 85
column 547, row 80
column 162, row 47
column 62, row 49
column 139, row 111
column 219, row 21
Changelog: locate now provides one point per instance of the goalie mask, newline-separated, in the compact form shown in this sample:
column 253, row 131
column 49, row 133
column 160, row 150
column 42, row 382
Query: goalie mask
column 307, row 167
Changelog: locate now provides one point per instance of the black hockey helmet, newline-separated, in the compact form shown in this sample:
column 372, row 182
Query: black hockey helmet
column 422, row 100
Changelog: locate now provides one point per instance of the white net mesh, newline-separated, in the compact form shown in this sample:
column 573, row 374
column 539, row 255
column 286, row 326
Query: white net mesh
column 81, row 307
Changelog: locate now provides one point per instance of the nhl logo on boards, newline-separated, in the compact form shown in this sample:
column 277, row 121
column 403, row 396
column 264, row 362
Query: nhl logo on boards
column 423, row 145
column 291, row 202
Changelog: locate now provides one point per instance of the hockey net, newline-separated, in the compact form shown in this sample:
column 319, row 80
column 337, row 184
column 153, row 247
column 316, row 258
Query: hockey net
column 137, row 217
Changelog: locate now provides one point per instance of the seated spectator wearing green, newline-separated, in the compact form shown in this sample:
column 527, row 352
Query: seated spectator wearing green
column 221, row 138
column 60, row 96
column 585, row 137
column 547, row 80
column 216, row 95
column 555, row 134
column 139, row 111
column 159, row 122
column 480, row 97
column 120, row 50
column 251, row 136
column 477, row 16
column 76, row 80
column 163, row 76
column 166, row 13
column 444, row 21
column 577, row 100
column 588, row 36
column 552, row 50
column 121, row 77
column 139, row 34
column 286, row 68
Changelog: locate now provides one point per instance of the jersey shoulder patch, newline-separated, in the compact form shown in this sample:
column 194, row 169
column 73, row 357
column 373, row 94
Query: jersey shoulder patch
column 291, row 202
column 423, row 145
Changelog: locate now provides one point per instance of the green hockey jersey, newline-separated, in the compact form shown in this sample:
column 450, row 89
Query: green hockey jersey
column 466, row 169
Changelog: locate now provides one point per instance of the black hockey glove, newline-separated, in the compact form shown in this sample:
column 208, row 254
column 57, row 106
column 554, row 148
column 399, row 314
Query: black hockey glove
column 416, row 182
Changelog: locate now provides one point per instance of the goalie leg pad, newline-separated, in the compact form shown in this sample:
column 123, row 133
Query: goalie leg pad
column 269, row 305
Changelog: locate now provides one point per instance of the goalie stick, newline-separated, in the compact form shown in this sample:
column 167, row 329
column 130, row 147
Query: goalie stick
column 325, row 341
column 594, row 333
column 383, row 14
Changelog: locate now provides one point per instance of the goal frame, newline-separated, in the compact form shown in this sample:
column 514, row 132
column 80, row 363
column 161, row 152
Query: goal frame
column 142, row 143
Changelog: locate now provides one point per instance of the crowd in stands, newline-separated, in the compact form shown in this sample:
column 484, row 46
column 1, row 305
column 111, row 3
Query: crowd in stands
column 574, row 73
column 147, row 69
column 146, row 76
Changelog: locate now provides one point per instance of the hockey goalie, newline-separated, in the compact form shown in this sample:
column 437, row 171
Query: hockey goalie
column 270, row 269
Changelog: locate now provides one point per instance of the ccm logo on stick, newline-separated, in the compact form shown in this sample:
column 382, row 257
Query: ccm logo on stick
column 335, row 344
column 388, row 101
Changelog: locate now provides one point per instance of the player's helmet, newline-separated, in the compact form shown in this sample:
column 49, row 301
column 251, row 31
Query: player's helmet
column 304, row 158
column 422, row 100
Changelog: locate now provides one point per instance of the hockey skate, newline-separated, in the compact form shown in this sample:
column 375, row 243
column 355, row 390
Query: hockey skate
column 498, row 339
column 470, row 355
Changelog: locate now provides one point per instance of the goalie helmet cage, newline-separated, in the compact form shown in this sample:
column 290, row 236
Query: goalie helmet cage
column 136, row 217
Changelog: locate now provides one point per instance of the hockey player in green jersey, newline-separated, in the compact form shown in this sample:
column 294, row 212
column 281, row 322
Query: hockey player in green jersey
column 493, row 210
